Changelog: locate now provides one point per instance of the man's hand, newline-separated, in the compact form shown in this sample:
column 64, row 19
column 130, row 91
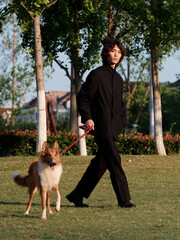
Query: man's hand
column 89, row 124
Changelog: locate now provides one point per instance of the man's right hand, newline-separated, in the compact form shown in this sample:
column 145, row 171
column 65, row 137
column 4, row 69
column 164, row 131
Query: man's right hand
column 89, row 124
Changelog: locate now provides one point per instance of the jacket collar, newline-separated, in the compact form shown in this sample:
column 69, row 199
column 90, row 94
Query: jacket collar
column 110, row 69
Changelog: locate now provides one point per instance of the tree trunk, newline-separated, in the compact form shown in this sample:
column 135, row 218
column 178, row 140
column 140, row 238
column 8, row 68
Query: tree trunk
column 131, row 93
column 127, row 106
column 141, row 107
column 151, row 106
column 41, row 103
column 159, row 143
column 73, row 109
column 13, row 72
column 82, row 141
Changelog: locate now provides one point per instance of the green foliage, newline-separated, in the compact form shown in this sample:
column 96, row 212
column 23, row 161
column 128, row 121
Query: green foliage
column 21, row 143
column 5, row 124
column 91, row 146
column 138, row 99
column 63, row 124
column 170, row 98
column 24, row 69
column 166, row 28
column 76, row 28
column 34, row 8
column 24, row 143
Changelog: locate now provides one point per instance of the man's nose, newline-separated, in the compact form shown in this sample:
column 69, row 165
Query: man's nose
column 116, row 53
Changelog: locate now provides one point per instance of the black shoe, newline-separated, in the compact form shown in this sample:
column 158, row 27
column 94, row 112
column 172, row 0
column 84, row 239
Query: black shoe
column 126, row 204
column 76, row 199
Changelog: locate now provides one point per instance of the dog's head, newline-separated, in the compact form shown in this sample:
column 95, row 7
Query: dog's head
column 50, row 155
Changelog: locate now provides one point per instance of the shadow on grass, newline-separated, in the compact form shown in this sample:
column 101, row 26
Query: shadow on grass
column 23, row 216
column 20, row 215
column 91, row 206
column 52, row 205
column 17, row 203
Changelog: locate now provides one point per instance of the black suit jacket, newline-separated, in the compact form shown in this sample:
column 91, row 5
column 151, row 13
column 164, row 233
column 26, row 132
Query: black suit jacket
column 101, row 99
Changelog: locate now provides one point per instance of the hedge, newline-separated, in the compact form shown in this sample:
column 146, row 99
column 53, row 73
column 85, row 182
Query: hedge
column 24, row 143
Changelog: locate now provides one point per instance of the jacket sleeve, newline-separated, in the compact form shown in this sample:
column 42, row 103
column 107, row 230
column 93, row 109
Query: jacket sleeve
column 86, row 96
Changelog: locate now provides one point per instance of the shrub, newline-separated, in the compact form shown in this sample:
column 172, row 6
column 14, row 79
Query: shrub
column 17, row 142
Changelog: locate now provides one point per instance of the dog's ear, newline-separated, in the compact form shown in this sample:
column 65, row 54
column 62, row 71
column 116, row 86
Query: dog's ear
column 56, row 146
column 44, row 147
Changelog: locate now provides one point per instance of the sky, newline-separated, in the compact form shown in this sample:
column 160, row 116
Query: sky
column 59, row 81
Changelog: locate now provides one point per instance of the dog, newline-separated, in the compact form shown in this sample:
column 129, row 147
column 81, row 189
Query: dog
column 44, row 174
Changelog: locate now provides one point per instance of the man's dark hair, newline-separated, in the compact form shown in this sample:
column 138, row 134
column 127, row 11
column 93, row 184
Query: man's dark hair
column 108, row 46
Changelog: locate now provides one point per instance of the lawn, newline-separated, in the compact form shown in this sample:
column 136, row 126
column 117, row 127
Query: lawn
column 154, row 186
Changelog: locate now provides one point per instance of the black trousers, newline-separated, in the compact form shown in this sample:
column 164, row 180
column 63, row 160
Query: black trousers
column 107, row 158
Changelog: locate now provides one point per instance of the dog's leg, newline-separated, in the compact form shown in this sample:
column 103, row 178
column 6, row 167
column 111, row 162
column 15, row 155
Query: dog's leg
column 48, row 202
column 43, row 200
column 58, row 198
column 32, row 191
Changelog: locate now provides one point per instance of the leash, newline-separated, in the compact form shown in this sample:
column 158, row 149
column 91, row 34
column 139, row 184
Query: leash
column 86, row 132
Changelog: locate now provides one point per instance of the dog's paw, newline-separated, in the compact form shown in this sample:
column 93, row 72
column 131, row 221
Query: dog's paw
column 50, row 212
column 44, row 214
column 57, row 209
column 26, row 213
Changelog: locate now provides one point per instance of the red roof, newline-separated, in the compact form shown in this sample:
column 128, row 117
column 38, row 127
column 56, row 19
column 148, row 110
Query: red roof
column 4, row 109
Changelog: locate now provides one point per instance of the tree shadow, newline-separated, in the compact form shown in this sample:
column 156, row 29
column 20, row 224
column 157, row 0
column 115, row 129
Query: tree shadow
column 17, row 204
column 52, row 205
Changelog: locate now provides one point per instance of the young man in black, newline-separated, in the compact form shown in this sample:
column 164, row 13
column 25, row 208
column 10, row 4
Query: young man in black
column 100, row 103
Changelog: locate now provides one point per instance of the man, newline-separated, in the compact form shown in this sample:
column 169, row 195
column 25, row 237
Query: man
column 100, row 103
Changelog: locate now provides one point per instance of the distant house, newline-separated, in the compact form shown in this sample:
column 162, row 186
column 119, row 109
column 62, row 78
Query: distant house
column 57, row 105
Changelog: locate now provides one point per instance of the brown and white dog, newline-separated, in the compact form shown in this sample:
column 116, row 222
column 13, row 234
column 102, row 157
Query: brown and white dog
column 44, row 174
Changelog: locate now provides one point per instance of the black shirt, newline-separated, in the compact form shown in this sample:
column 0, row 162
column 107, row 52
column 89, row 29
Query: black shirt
column 101, row 99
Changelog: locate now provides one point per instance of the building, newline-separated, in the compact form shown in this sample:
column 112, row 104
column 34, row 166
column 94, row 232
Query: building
column 57, row 105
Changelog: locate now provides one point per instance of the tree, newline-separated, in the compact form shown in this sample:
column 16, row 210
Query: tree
column 140, row 109
column 159, row 43
column 17, row 74
column 160, row 35
column 134, row 69
column 78, row 28
column 34, row 10
column 160, row 148
column 75, row 29
column 170, row 96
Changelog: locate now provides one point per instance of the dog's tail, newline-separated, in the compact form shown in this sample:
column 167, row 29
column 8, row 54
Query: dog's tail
column 22, row 181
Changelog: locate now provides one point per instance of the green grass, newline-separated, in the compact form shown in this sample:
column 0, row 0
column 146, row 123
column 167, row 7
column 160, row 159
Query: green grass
column 154, row 186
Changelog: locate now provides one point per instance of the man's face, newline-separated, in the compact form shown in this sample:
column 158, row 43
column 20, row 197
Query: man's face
column 114, row 56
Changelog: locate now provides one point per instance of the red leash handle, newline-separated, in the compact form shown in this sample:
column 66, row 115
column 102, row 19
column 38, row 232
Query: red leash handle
column 89, row 129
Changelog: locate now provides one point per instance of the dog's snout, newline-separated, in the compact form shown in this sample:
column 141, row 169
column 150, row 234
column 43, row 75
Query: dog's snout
column 53, row 163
